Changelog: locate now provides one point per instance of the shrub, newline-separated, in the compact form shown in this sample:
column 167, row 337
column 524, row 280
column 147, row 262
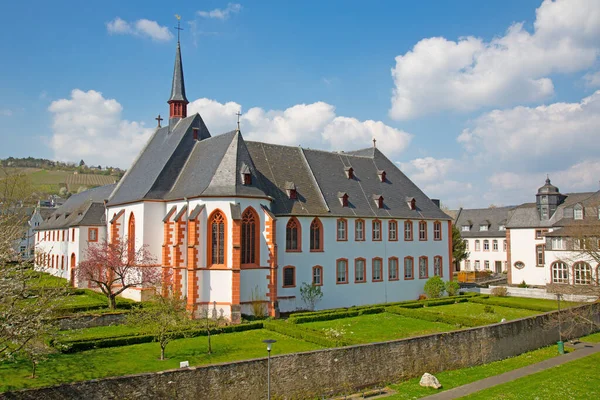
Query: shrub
column 434, row 287
column 510, row 304
column 500, row 291
column 422, row 297
column 452, row 288
column 488, row 309
column 433, row 316
column 310, row 294
column 353, row 312
column 523, row 285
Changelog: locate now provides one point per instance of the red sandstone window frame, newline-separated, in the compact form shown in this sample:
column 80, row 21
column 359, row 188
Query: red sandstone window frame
column 356, row 238
column 437, row 230
column 131, row 237
column 345, row 262
column 380, row 269
column 320, row 269
column 298, row 227
column 250, row 215
column 344, row 238
column 316, row 244
column 422, row 231
column 426, row 275
column 217, row 213
column 393, row 223
column 373, row 230
column 408, row 231
column 364, row 263
column 92, row 238
column 283, row 284
column 390, row 259
column 72, row 234
column 441, row 266
column 412, row 268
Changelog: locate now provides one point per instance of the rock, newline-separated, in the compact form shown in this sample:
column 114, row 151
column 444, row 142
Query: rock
column 428, row 380
column 503, row 320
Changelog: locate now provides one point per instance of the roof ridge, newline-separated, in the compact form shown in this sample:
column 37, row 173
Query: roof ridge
column 314, row 178
column 340, row 152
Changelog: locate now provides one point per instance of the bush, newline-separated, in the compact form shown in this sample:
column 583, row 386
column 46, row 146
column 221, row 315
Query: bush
column 433, row 316
column 434, row 287
column 353, row 312
column 452, row 288
column 520, row 305
column 523, row 285
column 488, row 309
column 500, row 291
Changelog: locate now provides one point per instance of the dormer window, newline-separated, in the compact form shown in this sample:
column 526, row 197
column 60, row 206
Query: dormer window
column 465, row 228
column 578, row 212
column 412, row 203
column 290, row 189
column 343, row 198
column 378, row 200
column 502, row 227
column 246, row 175
column 483, row 228
column 349, row 172
column 381, row 174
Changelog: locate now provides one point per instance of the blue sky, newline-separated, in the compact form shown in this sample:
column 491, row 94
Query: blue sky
column 476, row 101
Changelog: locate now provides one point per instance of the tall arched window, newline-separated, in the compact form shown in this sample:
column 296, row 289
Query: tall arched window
column 560, row 272
column 582, row 273
column 437, row 266
column 250, row 238
column 216, row 236
column 316, row 235
column 293, row 235
column 131, row 238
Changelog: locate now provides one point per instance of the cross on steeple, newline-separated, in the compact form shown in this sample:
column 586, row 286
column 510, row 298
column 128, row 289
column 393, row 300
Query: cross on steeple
column 374, row 142
column 179, row 29
column 158, row 119
column 238, row 120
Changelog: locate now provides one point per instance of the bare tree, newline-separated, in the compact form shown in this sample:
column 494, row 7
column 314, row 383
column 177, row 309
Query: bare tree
column 114, row 268
column 212, row 319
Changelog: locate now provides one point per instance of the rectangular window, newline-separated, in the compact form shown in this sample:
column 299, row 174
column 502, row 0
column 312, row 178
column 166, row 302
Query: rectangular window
column 393, row 269
column 477, row 245
column 466, row 244
column 539, row 252
column 93, row 235
column 73, row 234
column 359, row 270
column 504, row 245
column 486, row 264
column 317, row 276
column 437, row 230
column 376, row 230
column 423, row 268
column 486, row 245
column 393, row 230
column 342, row 271
column 558, row 243
column 477, row 265
column 437, row 266
column 359, row 230
column 494, row 245
column 502, row 227
column 422, row 230
column 341, row 229
column 289, row 277
column 483, row 228
column 408, row 268
column 408, row 230
column 467, row 264
column 465, row 228
column 578, row 213
column 377, row 270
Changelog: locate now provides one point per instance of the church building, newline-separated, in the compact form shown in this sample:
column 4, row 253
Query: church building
column 235, row 222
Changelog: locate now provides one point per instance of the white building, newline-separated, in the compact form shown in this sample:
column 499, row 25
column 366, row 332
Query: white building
column 235, row 222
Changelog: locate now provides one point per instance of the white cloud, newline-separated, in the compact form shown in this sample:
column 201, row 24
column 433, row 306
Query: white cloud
column 88, row 126
column 592, row 79
column 141, row 27
column 464, row 75
column 222, row 14
column 5, row 112
column 313, row 125
column 429, row 169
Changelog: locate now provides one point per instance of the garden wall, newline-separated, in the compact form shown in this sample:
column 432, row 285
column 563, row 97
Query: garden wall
column 91, row 321
column 536, row 293
column 316, row 373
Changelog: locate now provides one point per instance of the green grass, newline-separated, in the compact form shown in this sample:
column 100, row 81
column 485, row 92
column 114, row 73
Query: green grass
column 475, row 310
column 450, row 379
column 593, row 338
column 100, row 363
column 380, row 327
column 98, row 332
column 517, row 301
column 574, row 380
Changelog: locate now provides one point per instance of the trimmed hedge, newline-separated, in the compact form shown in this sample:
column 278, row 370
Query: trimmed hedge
column 334, row 315
column 74, row 346
column 433, row 316
column 306, row 334
column 502, row 303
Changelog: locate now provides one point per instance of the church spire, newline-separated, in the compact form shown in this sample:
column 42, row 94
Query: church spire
column 178, row 102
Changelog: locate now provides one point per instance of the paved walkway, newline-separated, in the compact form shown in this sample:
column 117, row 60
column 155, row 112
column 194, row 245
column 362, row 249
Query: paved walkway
column 582, row 350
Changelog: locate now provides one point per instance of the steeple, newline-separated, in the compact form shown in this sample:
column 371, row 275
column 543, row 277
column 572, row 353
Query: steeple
column 178, row 102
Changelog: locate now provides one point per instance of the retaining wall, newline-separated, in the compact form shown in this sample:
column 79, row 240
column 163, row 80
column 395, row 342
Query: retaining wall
column 91, row 321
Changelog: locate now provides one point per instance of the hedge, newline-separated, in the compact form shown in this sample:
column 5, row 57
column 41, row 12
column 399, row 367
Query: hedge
column 306, row 334
column 433, row 316
column 74, row 346
column 502, row 303
column 335, row 315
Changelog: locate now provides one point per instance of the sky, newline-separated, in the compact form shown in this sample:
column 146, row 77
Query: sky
column 475, row 101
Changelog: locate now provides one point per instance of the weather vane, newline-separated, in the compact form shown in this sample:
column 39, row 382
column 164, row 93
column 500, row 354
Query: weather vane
column 179, row 29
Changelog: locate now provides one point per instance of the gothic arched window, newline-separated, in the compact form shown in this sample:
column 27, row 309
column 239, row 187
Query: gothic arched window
column 316, row 235
column 250, row 238
column 293, row 235
column 216, row 238
column 131, row 238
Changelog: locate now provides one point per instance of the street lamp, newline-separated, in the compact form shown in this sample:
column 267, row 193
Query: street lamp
column 561, row 345
column 269, row 342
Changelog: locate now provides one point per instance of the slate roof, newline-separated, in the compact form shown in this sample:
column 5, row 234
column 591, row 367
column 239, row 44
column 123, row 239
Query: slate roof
column 178, row 86
column 85, row 208
column 46, row 212
column 492, row 217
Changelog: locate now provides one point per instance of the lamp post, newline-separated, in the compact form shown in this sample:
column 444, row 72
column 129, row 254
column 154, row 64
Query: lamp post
column 561, row 345
column 269, row 343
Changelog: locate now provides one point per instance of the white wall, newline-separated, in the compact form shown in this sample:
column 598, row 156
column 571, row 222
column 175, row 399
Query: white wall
column 481, row 255
column 522, row 248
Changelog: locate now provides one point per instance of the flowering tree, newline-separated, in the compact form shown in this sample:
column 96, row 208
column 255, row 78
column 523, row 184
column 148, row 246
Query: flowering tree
column 114, row 268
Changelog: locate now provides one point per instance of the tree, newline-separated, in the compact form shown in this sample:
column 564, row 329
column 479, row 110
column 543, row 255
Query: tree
column 459, row 247
column 452, row 288
column 311, row 295
column 434, row 287
column 81, row 163
column 113, row 268
column 216, row 320
column 165, row 318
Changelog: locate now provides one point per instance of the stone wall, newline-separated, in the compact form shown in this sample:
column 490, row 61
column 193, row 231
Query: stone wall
column 91, row 321
column 570, row 292
column 315, row 373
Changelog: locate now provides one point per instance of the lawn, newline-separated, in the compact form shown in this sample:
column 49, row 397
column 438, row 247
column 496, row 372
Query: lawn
column 476, row 310
column 116, row 361
column 593, row 338
column 574, row 380
column 380, row 327
column 450, row 379
column 98, row 332
column 526, row 301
